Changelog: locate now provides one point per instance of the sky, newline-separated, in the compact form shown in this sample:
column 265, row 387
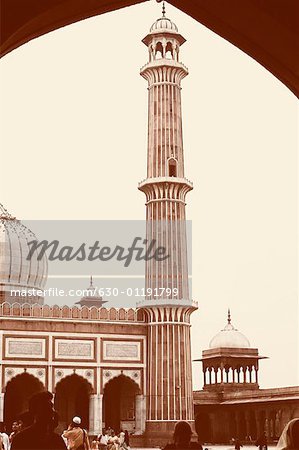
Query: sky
column 73, row 121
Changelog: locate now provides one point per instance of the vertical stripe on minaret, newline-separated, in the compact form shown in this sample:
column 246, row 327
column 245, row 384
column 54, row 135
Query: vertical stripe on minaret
column 170, row 394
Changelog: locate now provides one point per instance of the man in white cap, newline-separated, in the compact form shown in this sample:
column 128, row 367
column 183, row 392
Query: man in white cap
column 77, row 438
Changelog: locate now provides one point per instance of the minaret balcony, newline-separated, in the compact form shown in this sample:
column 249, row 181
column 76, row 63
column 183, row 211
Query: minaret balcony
column 159, row 180
column 167, row 62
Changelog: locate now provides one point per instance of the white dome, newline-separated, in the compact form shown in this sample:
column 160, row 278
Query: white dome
column 229, row 337
column 16, row 272
column 164, row 24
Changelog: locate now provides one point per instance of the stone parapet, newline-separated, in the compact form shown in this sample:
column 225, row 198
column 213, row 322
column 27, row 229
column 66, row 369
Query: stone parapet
column 71, row 313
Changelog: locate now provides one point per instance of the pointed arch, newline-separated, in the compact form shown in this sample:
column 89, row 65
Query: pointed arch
column 119, row 403
column 17, row 394
column 72, row 397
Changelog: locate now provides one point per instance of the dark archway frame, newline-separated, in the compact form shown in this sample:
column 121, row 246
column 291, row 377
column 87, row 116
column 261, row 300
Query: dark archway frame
column 265, row 30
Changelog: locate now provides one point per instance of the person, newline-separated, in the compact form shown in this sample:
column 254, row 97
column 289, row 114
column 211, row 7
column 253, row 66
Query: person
column 4, row 437
column 103, row 440
column 76, row 436
column 14, row 430
column 40, row 435
column 113, row 441
column 289, row 439
column 262, row 443
column 237, row 444
column 122, row 444
column 182, row 438
column 127, row 440
column 94, row 444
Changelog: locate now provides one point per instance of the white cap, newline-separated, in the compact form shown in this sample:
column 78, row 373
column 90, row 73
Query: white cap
column 77, row 420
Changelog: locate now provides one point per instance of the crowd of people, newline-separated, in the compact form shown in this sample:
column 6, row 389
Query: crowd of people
column 39, row 433
column 76, row 438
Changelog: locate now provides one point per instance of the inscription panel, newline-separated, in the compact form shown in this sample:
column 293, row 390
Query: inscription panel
column 25, row 348
column 117, row 350
column 74, row 349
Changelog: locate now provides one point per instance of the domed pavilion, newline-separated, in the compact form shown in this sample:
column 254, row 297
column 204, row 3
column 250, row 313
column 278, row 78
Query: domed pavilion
column 230, row 362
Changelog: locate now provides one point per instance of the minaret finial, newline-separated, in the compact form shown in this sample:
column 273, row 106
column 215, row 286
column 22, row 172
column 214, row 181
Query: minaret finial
column 228, row 316
column 163, row 9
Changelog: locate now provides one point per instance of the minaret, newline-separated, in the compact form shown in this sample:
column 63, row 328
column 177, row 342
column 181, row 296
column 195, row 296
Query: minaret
column 169, row 386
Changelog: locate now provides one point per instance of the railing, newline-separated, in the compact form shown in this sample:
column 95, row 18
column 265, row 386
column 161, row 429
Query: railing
column 56, row 312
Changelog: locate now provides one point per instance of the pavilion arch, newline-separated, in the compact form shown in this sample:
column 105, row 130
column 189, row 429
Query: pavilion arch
column 17, row 394
column 120, row 403
column 169, row 50
column 159, row 50
column 72, row 398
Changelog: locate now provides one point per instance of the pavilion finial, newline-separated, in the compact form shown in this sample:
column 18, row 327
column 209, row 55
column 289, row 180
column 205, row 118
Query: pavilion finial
column 91, row 281
column 163, row 9
column 228, row 316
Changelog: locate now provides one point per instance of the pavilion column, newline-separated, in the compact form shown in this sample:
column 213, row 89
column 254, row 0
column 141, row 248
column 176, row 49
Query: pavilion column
column 95, row 414
column 244, row 374
column 267, row 425
column 140, row 414
column 226, row 372
column 221, row 373
column 256, row 375
column 247, row 423
column 210, row 375
column 216, row 374
column 250, row 374
column 277, row 424
column 259, row 423
column 234, row 374
column 2, row 407
column 237, row 423
column 204, row 377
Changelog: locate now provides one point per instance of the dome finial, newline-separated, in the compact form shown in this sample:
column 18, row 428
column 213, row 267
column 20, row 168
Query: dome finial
column 228, row 316
column 163, row 9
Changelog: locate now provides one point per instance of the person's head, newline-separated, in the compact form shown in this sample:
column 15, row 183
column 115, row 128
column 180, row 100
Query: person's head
column 2, row 427
column 41, row 407
column 15, row 426
column 182, row 433
column 21, row 424
column 112, row 433
column 25, row 419
column 295, row 434
column 289, row 439
column 76, row 422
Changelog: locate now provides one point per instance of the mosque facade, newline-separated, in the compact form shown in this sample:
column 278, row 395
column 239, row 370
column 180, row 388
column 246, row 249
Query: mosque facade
column 130, row 368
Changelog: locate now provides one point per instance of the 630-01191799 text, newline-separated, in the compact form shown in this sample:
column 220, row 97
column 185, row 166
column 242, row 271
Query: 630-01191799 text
column 102, row 292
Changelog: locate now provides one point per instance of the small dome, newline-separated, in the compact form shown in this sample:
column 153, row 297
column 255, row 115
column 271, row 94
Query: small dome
column 16, row 272
column 229, row 337
column 164, row 24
